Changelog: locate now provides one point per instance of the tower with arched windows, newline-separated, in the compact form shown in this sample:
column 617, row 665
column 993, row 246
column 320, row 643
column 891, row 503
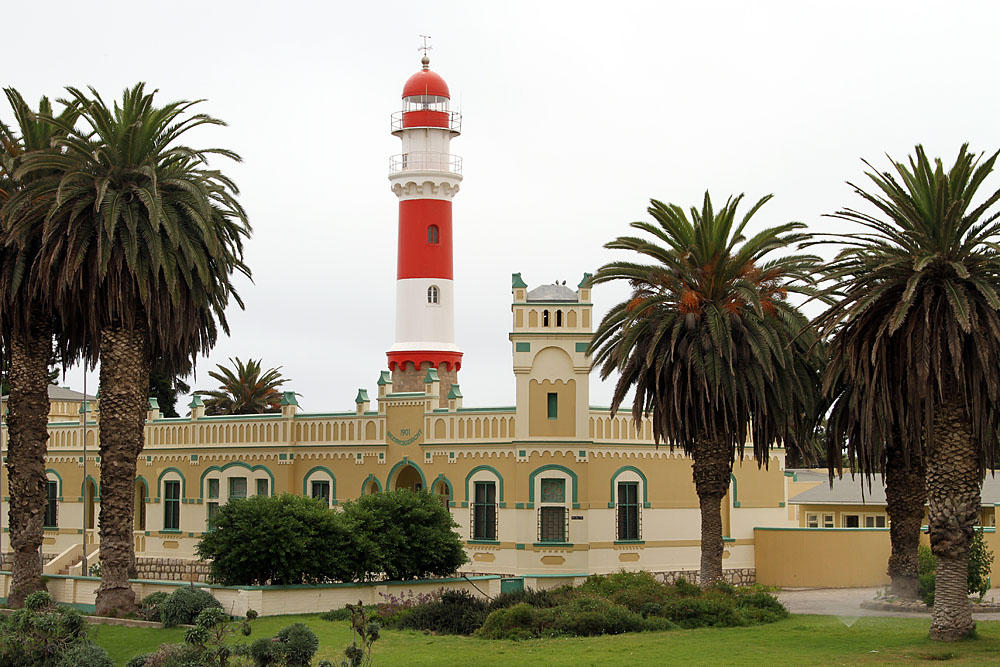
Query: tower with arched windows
column 425, row 177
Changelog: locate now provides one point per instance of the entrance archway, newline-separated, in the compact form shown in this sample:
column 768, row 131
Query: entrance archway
column 409, row 478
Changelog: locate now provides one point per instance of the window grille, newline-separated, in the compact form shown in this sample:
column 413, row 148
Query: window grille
column 553, row 524
column 433, row 294
column 628, row 516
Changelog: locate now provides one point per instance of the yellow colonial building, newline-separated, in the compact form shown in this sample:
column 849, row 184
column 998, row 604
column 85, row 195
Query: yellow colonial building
column 549, row 485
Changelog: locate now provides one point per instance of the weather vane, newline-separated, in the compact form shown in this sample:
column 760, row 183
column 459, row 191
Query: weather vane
column 425, row 48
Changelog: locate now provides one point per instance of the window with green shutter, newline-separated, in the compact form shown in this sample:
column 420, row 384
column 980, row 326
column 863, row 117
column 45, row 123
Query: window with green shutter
column 171, row 505
column 553, row 405
column 51, row 504
column 484, row 512
column 237, row 487
column 628, row 511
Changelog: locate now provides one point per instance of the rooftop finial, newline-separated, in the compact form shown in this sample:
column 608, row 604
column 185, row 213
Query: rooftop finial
column 425, row 61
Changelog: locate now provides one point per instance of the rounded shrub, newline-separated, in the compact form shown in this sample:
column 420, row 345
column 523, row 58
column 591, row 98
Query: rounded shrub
column 149, row 608
column 38, row 601
column 705, row 611
column 457, row 612
column 85, row 654
column 519, row 621
column 296, row 644
column 536, row 598
column 183, row 605
column 586, row 616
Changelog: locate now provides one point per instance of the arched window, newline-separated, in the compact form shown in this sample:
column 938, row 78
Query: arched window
column 432, row 234
column 545, row 318
column 433, row 294
column 558, row 318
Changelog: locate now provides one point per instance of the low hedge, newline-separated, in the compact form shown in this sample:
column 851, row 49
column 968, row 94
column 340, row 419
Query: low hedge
column 603, row 605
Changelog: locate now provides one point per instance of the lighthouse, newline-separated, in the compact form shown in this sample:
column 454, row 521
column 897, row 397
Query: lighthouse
column 425, row 177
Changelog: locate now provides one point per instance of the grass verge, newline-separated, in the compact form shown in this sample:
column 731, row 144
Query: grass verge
column 799, row 640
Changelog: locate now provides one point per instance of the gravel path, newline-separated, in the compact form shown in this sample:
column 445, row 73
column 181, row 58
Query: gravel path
column 847, row 602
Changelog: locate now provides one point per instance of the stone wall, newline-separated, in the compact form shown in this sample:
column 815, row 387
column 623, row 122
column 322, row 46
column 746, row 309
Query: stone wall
column 412, row 379
column 735, row 576
column 171, row 569
column 7, row 560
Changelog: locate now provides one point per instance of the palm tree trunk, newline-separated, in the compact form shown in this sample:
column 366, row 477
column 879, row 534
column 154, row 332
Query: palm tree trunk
column 124, row 384
column 905, row 495
column 711, row 470
column 27, row 428
column 953, row 495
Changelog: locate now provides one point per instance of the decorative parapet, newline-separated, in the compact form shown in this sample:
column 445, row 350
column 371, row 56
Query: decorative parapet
column 362, row 401
column 454, row 398
column 197, row 407
column 154, row 409
column 289, row 404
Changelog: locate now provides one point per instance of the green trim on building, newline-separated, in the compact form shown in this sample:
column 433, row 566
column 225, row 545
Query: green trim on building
column 399, row 466
column 478, row 469
column 233, row 464
column 370, row 478
column 454, row 392
column 159, row 482
column 384, row 378
column 582, row 347
column 522, row 347
column 545, row 468
column 517, row 282
column 645, row 485
column 736, row 502
column 362, row 396
column 333, row 481
column 585, row 283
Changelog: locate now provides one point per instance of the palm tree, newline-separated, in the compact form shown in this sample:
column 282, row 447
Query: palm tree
column 244, row 389
column 918, row 328
column 903, row 473
column 26, row 329
column 140, row 242
column 711, row 345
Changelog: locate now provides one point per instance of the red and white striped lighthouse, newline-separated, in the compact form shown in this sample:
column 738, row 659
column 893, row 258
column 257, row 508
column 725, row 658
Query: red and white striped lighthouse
column 425, row 178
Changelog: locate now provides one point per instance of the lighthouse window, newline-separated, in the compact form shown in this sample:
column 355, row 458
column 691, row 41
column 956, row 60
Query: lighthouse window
column 432, row 234
column 433, row 294
column 545, row 318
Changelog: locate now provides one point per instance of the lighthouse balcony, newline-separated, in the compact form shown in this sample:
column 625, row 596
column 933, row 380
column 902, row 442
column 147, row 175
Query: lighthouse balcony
column 426, row 117
column 425, row 161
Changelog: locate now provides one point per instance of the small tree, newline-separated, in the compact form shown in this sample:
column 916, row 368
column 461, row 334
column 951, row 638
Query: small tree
column 284, row 539
column 403, row 535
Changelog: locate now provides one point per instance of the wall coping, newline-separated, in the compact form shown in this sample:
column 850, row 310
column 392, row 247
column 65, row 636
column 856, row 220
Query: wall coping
column 350, row 584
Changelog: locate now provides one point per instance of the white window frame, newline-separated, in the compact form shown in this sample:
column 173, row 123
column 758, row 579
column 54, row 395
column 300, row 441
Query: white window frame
column 829, row 521
column 845, row 515
column 812, row 520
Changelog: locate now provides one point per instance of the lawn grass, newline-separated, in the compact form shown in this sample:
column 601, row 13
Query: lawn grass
column 799, row 640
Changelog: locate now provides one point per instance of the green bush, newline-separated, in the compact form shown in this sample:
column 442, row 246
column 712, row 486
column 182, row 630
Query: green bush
column 262, row 653
column 175, row 655
column 686, row 589
column 606, row 585
column 520, row 621
column 458, row 612
column 149, row 608
column 705, row 611
column 535, row 598
column 759, row 608
column 587, row 616
column 980, row 560
column 139, row 660
column 402, row 535
column 85, row 654
column 41, row 633
column 285, row 539
column 183, row 605
column 295, row 645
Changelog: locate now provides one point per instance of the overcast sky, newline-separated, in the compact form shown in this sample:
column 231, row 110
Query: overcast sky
column 575, row 114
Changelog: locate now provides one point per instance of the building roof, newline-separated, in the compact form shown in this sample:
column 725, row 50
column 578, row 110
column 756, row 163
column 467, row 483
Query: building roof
column 552, row 293
column 855, row 491
column 426, row 82
column 57, row 393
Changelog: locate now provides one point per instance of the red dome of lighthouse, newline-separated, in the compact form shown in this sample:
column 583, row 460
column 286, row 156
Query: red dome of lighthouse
column 426, row 82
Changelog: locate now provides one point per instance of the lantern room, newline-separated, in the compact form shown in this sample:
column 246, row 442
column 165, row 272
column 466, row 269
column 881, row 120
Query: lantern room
column 426, row 100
